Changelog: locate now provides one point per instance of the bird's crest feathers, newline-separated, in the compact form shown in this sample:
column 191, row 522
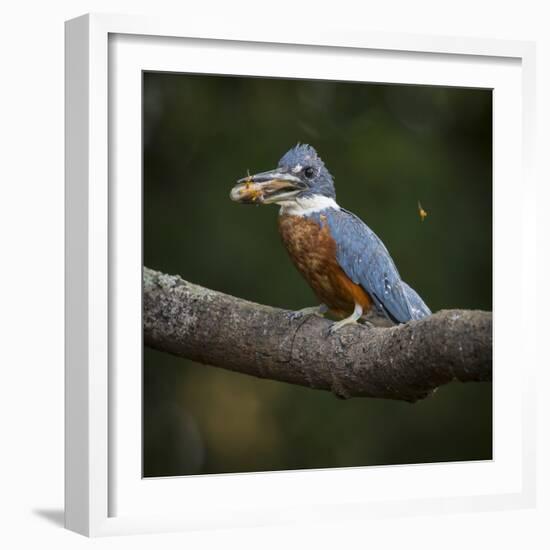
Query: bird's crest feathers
column 301, row 153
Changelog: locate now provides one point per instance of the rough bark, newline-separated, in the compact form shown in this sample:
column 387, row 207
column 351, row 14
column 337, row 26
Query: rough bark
column 406, row 362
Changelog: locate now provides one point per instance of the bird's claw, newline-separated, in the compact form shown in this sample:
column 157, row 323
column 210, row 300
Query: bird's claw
column 341, row 324
column 318, row 310
column 295, row 315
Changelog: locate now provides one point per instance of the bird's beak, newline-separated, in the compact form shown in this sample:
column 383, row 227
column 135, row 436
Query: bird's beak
column 267, row 187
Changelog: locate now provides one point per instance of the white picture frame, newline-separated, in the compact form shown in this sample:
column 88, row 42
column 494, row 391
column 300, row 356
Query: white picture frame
column 105, row 493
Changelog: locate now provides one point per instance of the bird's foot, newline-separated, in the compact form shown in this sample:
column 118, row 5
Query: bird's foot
column 316, row 310
column 337, row 326
column 351, row 320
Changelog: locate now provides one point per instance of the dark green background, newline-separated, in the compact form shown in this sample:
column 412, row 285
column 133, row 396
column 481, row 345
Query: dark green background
column 387, row 146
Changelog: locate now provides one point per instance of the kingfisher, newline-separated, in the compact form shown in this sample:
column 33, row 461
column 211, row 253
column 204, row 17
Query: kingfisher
column 345, row 263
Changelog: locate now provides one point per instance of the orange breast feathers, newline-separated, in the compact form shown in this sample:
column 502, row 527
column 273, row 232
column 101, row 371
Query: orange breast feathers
column 313, row 251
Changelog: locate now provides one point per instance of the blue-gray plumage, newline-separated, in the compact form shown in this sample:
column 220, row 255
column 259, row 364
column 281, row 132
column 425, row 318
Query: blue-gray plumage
column 419, row 309
column 367, row 262
column 344, row 261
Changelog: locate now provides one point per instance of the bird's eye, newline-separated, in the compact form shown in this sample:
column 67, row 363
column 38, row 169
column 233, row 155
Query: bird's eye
column 309, row 172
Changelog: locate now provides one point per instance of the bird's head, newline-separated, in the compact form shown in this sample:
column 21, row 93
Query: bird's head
column 300, row 174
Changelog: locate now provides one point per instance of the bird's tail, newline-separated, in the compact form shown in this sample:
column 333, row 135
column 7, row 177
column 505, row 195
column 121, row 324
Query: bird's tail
column 419, row 309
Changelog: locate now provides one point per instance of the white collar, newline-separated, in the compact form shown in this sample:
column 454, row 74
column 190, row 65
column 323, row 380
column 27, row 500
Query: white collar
column 307, row 205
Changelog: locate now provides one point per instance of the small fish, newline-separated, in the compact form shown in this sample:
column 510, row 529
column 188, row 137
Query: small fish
column 421, row 212
column 248, row 192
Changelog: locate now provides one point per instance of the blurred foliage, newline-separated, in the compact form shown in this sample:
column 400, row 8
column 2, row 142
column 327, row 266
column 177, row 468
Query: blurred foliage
column 388, row 147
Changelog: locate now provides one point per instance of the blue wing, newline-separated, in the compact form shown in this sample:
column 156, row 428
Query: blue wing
column 367, row 262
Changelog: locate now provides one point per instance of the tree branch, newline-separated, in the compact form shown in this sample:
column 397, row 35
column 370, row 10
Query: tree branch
column 406, row 362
